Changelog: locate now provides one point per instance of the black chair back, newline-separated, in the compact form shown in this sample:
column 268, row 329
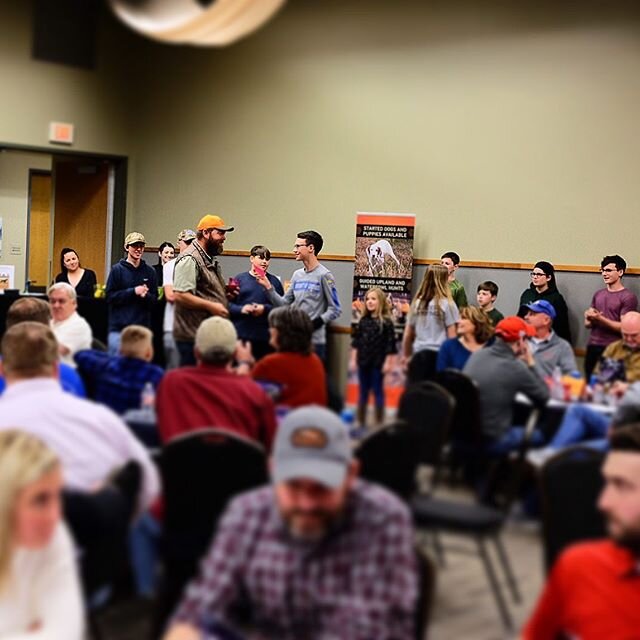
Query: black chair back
column 427, row 408
column 422, row 366
column 200, row 472
column 466, row 425
column 466, row 442
column 570, row 483
column 389, row 457
column 99, row 523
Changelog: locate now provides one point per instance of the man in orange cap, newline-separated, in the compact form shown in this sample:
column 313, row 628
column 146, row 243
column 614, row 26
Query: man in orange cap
column 500, row 372
column 198, row 284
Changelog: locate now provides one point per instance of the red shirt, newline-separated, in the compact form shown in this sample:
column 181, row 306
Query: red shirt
column 191, row 398
column 592, row 593
column 302, row 378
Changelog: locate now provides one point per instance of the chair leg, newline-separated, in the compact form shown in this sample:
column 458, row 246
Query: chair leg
column 508, row 571
column 495, row 585
column 95, row 632
column 438, row 549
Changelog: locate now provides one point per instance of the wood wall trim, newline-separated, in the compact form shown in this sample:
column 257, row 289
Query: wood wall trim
column 340, row 330
column 526, row 266
column 471, row 264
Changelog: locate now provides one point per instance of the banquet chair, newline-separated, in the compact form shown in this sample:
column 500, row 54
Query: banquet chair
column 201, row 471
column 570, row 483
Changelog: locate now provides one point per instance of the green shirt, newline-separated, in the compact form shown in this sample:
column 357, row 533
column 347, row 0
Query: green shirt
column 458, row 293
column 495, row 316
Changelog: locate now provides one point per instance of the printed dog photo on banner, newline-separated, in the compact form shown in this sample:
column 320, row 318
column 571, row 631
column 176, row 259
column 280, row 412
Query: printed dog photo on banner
column 383, row 271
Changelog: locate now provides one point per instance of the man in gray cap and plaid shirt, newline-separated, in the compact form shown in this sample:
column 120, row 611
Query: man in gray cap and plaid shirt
column 318, row 555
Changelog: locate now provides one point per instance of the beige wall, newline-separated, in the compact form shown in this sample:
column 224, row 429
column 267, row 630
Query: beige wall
column 14, row 197
column 512, row 136
column 35, row 93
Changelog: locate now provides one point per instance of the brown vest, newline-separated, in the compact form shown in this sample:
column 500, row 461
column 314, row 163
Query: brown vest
column 210, row 285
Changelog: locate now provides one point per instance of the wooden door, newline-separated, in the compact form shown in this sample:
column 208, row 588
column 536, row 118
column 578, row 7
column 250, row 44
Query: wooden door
column 39, row 230
column 81, row 215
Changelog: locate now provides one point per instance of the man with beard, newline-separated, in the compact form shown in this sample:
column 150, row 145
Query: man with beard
column 318, row 555
column 594, row 588
column 198, row 285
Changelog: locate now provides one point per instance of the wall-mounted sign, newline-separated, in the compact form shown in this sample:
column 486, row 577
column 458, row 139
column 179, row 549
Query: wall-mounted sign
column 61, row 132
column 384, row 260
column 7, row 276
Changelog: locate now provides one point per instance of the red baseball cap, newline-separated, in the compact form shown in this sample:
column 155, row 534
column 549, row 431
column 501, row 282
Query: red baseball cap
column 513, row 328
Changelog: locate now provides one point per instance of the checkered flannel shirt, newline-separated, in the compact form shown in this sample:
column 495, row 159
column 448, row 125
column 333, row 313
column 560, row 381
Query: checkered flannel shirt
column 358, row 583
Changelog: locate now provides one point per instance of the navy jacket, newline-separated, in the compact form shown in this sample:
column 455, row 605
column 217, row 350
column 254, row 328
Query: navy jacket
column 253, row 327
column 125, row 307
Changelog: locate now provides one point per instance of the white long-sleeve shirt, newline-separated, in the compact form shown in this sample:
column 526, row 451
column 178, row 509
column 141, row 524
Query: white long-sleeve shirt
column 42, row 599
column 90, row 439
column 74, row 333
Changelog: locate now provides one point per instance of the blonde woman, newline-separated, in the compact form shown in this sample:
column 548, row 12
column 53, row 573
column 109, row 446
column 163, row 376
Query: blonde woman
column 39, row 590
column 474, row 331
column 432, row 319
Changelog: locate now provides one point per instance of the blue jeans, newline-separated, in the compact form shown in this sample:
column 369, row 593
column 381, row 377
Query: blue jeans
column 321, row 351
column 511, row 440
column 113, row 343
column 582, row 424
column 185, row 349
column 370, row 379
column 144, row 538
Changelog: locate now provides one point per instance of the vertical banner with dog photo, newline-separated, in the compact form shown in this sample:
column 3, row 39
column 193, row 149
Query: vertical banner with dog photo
column 383, row 259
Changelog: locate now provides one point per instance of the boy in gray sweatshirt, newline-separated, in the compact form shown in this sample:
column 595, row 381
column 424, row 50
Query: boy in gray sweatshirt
column 312, row 288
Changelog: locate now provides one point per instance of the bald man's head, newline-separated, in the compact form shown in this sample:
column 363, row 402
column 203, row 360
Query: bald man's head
column 630, row 329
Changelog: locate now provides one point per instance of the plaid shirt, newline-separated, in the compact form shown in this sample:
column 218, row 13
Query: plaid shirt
column 358, row 583
column 116, row 381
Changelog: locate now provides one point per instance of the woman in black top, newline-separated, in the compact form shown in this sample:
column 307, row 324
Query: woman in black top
column 166, row 252
column 543, row 287
column 82, row 280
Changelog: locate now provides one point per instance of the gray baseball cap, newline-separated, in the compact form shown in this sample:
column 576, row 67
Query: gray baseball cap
column 312, row 442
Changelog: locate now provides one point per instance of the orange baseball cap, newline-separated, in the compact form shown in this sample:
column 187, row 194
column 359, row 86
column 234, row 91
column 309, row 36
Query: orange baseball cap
column 212, row 222
column 512, row 328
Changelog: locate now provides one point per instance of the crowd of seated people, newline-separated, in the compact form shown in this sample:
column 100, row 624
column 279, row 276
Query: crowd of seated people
column 253, row 361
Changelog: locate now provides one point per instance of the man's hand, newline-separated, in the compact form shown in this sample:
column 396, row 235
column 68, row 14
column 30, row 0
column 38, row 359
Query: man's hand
column 264, row 281
column 182, row 632
column 218, row 309
column 619, row 388
column 232, row 289
column 258, row 310
column 141, row 290
column 591, row 315
column 247, row 309
column 525, row 354
column 243, row 351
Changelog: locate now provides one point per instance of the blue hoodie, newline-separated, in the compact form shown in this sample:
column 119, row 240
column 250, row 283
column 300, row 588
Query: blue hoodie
column 125, row 307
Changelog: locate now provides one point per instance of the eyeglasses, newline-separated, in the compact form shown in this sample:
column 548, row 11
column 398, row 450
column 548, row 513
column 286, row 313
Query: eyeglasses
column 536, row 274
column 297, row 246
column 607, row 270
